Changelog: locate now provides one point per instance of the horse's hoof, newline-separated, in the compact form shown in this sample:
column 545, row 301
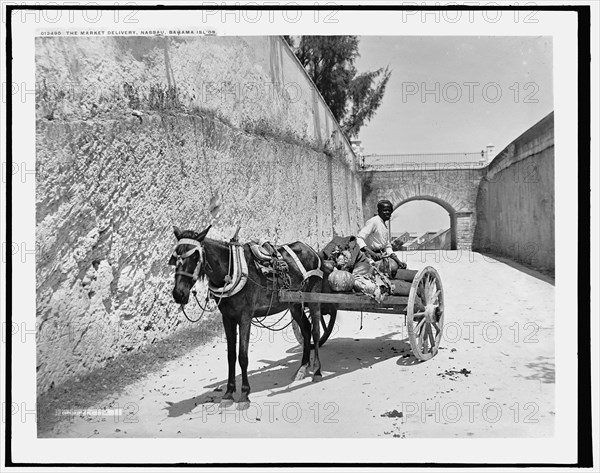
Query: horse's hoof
column 301, row 374
column 317, row 378
column 226, row 403
column 243, row 405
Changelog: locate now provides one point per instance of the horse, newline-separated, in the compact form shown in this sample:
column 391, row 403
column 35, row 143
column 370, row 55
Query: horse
column 197, row 257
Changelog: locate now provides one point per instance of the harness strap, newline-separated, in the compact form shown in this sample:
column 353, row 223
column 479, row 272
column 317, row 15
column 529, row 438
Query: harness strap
column 185, row 273
column 238, row 278
column 305, row 274
column 189, row 241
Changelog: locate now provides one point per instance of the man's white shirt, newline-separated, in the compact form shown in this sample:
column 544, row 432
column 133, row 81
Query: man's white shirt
column 374, row 235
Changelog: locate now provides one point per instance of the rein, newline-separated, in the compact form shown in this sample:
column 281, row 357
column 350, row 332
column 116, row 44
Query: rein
column 259, row 323
column 200, row 305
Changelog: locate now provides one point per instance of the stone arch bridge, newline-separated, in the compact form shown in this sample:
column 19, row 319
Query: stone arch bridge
column 450, row 184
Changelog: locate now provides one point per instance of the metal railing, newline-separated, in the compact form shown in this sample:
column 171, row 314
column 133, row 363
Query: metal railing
column 423, row 161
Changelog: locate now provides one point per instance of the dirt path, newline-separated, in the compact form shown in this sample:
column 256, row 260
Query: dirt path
column 493, row 377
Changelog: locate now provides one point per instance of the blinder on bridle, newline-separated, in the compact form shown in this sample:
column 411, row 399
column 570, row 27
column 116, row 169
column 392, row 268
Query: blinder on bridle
column 176, row 259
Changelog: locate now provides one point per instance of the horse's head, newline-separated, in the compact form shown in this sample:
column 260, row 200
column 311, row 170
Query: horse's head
column 188, row 259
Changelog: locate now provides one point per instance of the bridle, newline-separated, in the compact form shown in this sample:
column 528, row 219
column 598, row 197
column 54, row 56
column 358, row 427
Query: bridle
column 176, row 259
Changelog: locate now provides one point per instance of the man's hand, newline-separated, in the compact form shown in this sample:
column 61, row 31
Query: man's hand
column 374, row 256
column 401, row 264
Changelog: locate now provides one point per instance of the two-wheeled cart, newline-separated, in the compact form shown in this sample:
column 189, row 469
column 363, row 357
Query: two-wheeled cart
column 422, row 310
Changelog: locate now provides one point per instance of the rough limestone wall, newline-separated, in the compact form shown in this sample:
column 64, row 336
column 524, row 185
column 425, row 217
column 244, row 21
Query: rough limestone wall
column 110, row 185
column 515, row 203
column 252, row 83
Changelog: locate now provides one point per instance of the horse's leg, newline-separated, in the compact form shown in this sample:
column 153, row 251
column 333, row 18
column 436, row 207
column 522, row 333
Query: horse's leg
column 244, row 401
column 231, row 334
column 315, row 316
column 304, row 324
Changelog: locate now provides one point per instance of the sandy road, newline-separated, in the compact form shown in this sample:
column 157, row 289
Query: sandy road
column 493, row 377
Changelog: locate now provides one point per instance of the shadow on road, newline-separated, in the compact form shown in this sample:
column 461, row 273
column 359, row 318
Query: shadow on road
column 543, row 370
column 339, row 357
column 546, row 276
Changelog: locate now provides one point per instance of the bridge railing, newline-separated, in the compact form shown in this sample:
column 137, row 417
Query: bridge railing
column 399, row 162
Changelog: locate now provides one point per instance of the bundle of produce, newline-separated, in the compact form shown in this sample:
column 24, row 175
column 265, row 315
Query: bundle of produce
column 364, row 268
column 382, row 281
column 341, row 281
column 372, row 282
column 368, row 286
column 343, row 260
column 342, row 252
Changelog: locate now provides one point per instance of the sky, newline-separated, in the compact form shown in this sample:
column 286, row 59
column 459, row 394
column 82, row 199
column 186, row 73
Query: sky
column 420, row 216
column 454, row 94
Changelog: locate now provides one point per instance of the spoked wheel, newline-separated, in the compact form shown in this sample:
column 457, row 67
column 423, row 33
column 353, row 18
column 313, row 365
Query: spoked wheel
column 425, row 313
column 327, row 323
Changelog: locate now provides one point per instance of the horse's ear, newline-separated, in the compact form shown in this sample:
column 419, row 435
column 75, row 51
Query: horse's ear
column 177, row 232
column 203, row 233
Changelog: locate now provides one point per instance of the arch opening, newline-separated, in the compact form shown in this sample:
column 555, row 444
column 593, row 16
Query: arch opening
column 423, row 223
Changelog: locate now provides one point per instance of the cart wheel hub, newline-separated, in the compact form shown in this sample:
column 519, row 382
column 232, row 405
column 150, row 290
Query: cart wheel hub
column 430, row 312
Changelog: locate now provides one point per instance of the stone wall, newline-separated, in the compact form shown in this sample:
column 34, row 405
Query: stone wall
column 515, row 203
column 134, row 135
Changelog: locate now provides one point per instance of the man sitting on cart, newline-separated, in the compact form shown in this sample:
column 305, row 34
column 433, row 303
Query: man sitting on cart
column 373, row 239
